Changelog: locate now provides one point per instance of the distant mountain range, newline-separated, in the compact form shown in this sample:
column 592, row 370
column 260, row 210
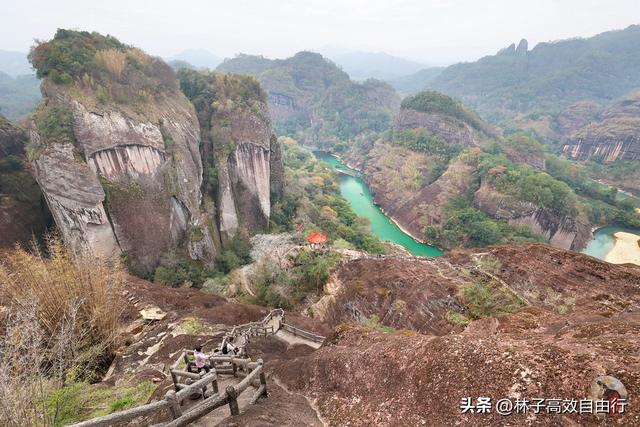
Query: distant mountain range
column 548, row 77
column 199, row 58
column 377, row 65
column 14, row 63
column 18, row 96
column 19, row 87
column 311, row 98
column 416, row 82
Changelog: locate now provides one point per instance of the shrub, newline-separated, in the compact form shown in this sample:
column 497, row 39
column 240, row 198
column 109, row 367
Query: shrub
column 122, row 403
column 113, row 60
column 456, row 318
column 61, row 324
column 55, row 124
column 181, row 272
column 374, row 322
column 488, row 298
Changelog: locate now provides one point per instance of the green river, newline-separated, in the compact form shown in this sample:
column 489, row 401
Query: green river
column 355, row 190
column 357, row 194
column 603, row 240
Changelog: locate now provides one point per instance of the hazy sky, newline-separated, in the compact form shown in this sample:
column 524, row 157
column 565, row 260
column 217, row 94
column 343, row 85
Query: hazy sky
column 434, row 31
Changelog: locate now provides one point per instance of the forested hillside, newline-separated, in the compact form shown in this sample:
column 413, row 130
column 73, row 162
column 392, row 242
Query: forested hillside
column 449, row 177
column 18, row 96
column 314, row 100
column 549, row 76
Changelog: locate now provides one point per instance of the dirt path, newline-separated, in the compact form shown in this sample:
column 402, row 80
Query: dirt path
column 281, row 408
column 216, row 416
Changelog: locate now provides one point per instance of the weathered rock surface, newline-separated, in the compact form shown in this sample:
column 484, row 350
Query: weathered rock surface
column 614, row 135
column 149, row 164
column 402, row 183
column 23, row 212
column 249, row 169
column 562, row 231
column 74, row 196
column 366, row 377
column 128, row 176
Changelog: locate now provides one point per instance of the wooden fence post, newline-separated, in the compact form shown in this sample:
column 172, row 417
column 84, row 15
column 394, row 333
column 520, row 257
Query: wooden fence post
column 204, row 389
column 263, row 378
column 174, row 377
column 235, row 368
column 214, row 384
column 174, row 405
column 233, row 402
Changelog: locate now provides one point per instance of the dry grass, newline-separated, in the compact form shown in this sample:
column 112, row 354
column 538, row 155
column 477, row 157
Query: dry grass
column 59, row 324
column 113, row 61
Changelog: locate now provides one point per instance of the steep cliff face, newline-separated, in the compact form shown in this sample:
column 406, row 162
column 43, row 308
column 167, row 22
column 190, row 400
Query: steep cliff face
column 243, row 163
column 245, row 173
column 23, row 212
column 426, row 174
column 613, row 135
column 125, row 139
column 561, row 230
column 277, row 168
column 395, row 176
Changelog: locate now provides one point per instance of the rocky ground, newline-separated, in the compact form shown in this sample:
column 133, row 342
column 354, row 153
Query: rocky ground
column 368, row 377
column 393, row 354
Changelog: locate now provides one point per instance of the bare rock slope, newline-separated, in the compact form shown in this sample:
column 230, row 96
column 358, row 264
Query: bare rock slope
column 364, row 376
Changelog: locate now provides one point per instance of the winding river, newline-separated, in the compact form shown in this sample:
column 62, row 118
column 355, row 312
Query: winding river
column 359, row 197
column 355, row 190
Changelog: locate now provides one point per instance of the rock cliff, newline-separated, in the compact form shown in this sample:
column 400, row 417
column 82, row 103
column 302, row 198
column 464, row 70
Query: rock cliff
column 450, row 128
column 23, row 211
column 560, row 230
column 240, row 152
column 435, row 153
column 612, row 136
column 401, row 182
column 119, row 155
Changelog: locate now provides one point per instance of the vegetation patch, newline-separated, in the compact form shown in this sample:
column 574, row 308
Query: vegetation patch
column 81, row 401
column 312, row 201
column 374, row 322
column 286, row 287
column 487, row 298
column 109, row 69
column 60, row 327
column 438, row 103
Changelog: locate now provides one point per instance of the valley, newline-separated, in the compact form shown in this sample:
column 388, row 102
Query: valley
column 253, row 241
column 356, row 192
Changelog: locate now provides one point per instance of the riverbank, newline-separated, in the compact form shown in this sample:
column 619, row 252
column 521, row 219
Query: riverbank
column 625, row 249
column 355, row 190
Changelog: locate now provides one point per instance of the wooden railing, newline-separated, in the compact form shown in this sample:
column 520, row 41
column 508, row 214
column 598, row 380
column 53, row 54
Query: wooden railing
column 187, row 383
column 302, row 333
column 229, row 397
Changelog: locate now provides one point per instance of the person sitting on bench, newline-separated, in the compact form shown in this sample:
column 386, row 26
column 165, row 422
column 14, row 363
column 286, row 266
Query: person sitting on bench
column 228, row 347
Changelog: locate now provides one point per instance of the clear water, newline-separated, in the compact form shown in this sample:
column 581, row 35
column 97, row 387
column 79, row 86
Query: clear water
column 356, row 192
column 603, row 241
